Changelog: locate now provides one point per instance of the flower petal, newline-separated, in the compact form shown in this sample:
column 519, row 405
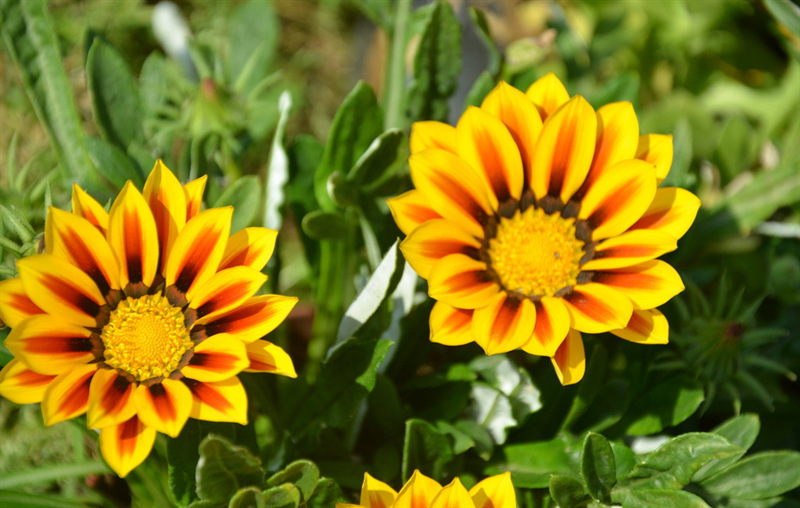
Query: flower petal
column 450, row 326
column 596, row 308
column 452, row 188
column 656, row 149
column 434, row 240
column 133, row 237
column 126, row 445
column 494, row 492
column 462, row 282
column 519, row 115
column 485, row 143
column 84, row 205
column 67, row 396
column 411, row 209
column 672, row 212
column 15, row 305
column 264, row 356
column 570, row 360
column 224, row 291
column 645, row 327
column 110, row 399
column 193, row 192
column 376, row 494
column 251, row 247
column 61, row 289
column 167, row 201
column 198, row 250
column 548, row 94
column 253, row 319
column 618, row 198
column 432, row 134
column 617, row 138
column 503, row 325
column 49, row 345
column 222, row 401
column 21, row 385
column 552, row 326
column 164, row 406
column 648, row 285
column 452, row 496
column 564, row 151
column 418, row 492
column 217, row 358
column 73, row 238
column 631, row 248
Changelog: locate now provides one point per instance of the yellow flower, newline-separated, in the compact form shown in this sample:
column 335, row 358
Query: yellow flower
column 537, row 218
column 423, row 492
column 141, row 317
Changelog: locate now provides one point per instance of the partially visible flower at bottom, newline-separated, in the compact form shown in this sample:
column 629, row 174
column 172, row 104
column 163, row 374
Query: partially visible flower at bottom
column 141, row 317
column 423, row 492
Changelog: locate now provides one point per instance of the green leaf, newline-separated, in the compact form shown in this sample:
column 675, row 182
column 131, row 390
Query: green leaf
column 531, row 464
column 567, row 492
column 588, row 391
column 787, row 13
column 115, row 99
column 425, row 448
column 624, row 458
column 741, row 431
column 759, row 476
column 112, row 163
column 737, row 146
column 377, row 160
column 224, row 468
column 48, row 474
column 326, row 494
column 249, row 497
column 658, row 498
column 20, row 499
column 322, row 225
column 182, row 457
column 664, row 405
column 283, row 496
column 253, row 31
column 437, row 65
column 357, row 123
column 378, row 11
column 303, row 474
column 244, row 195
column 18, row 223
column 495, row 65
column 278, row 168
column 598, row 469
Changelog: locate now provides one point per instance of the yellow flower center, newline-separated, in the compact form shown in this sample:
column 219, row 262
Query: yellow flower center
column 536, row 254
column 145, row 337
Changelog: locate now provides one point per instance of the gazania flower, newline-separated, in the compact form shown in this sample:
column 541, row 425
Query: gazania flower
column 423, row 492
column 141, row 317
column 537, row 218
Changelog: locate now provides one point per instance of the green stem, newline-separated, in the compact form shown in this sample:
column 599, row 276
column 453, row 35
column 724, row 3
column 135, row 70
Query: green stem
column 396, row 76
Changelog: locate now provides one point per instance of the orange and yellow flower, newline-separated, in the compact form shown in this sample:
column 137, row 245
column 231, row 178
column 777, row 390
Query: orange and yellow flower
column 537, row 218
column 141, row 317
column 423, row 492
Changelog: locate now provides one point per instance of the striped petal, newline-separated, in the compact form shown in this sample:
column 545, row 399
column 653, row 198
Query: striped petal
column 452, row 188
column 133, row 237
column 596, row 308
column 198, row 250
column 167, row 201
column 225, row 291
column 617, row 138
column 432, row 134
column 15, row 305
column 22, row 385
column 254, row 319
column 485, row 143
column 453, row 495
column 450, row 326
column 503, row 325
column 67, row 396
column 618, row 198
column 164, row 406
column 418, row 492
column 656, row 149
column 494, row 492
column 50, row 345
column 84, row 205
column 250, row 247
column 61, row 289
column 71, row 237
column 631, row 248
column 672, row 212
column 110, row 399
column 645, row 327
column 648, row 285
column 223, row 401
column 217, row 358
column 376, row 494
column 548, row 94
column 434, row 240
column 519, row 115
column 264, row 356
column 126, row 445
column 462, row 282
column 552, row 325
column 564, row 151
column 411, row 209
column 193, row 192
column 570, row 359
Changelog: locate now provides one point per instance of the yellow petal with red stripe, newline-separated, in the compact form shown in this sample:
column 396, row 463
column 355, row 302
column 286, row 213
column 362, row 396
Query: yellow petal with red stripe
column 552, row 326
column 630, row 248
column 504, row 324
column 126, row 445
column 224, row 291
column 193, row 192
column 648, row 285
column 617, row 138
column 264, row 356
column 84, row 205
column 548, row 94
column 597, row 308
column 133, row 237
column 217, row 358
column 50, row 345
column 250, row 247
column 494, row 492
column 15, row 305
column 110, row 399
column 411, row 209
column 462, row 282
column 450, row 326
column 570, row 360
column 672, row 212
column 418, row 492
column 434, row 240
column 645, row 327
column 222, row 401
column 253, row 319
column 167, row 201
column 20, row 384
column 376, row 494
column 656, row 149
column 432, row 134
column 67, row 396
column 453, row 495
column 164, row 406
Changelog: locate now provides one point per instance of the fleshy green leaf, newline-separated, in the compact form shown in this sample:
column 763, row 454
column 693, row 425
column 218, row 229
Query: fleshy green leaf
column 759, row 476
column 282, row 496
column 377, row 160
column 253, row 32
column 326, row 494
column 224, row 468
column 425, row 448
column 322, row 225
column 249, row 497
column 182, row 457
column 112, row 163
column 598, row 468
column 303, row 474
column 567, row 492
column 741, row 431
column 663, row 405
column 244, row 195
column 531, row 464
column 658, row 498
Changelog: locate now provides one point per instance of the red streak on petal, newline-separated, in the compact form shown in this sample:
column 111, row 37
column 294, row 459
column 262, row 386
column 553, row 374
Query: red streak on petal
column 198, row 253
column 76, row 398
column 223, row 297
column 127, row 435
column 163, row 403
column 208, row 395
column 70, row 294
column 133, row 246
